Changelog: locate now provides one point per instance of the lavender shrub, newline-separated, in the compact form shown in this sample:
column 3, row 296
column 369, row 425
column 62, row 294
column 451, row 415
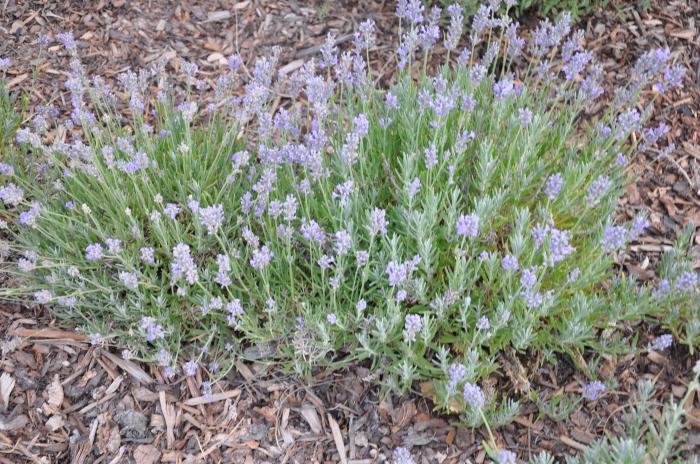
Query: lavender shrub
column 425, row 228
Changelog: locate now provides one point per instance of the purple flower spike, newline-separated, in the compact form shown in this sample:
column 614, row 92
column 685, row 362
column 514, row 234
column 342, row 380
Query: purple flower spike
column 473, row 395
column 593, row 390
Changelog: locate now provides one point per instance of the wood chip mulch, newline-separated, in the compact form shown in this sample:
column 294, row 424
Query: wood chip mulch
column 62, row 400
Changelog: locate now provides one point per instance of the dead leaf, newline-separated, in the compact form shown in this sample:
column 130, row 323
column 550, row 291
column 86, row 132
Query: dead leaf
column 403, row 415
column 308, row 412
column 515, row 371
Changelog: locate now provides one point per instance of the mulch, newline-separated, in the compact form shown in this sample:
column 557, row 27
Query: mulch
column 63, row 400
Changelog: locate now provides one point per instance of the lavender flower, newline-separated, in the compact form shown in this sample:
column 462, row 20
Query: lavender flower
column 576, row 64
column 502, row 88
column 361, row 256
column 26, row 265
column 261, row 258
column 483, row 323
column 480, row 22
column 183, row 266
column 396, row 273
column 593, row 390
column 528, row 279
column 573, row 275
column 539, row 234
column 652, row 136
column 43, row 296
column 325, row 262
column 222, row 276
column 525, row 116
column 473, row 395
column 402, row 455
column 377, row 222
column 29, row 217
column 662, row 290
column 212, row 217
column 392, row 102
column 651, row 63
column 614, row 238
column 190, row 368
column 234, row 311
column 429, row 33
column 457, row 372
column 329, row 52
column 114, row 246
column 96, row 339
column 7, row 169
column 431, row 159
column 673, row 77
column 687, row 281
column 67, row 39
column 332, row 319
column 661, row 343
column 5, row 64
column 559, row 246
column 93, row 252
column 554, row 184
column 639, row 225
column 506, row 457
column 153, row 331
column 620, row 160
column 468, row 225
column 164, row 358
column 11, row 195
column 510, row 263
column 413, row 188
column 312, row 232
column 343, row 191
column 454, row 31
column 147, row 255
column 366, row 37
column 627, row 122
column 343, row 242
column 412, row 325
column 532, row 298
column 463, row 58
column 515, row 43
column 129, row 279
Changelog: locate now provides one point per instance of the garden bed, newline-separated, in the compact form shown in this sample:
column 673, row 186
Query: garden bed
column 275, row 416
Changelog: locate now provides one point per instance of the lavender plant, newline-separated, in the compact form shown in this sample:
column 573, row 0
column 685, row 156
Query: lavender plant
column 641, row 436
column 678, row 283
column 423, row 229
